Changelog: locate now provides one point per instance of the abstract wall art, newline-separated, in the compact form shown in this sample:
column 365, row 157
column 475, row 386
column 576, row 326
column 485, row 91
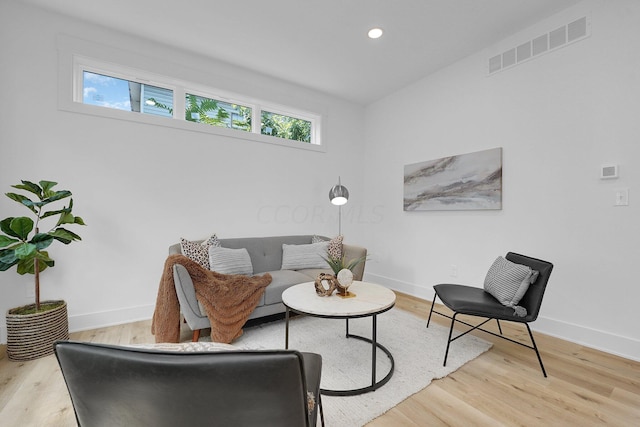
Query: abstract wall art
column 470, row 181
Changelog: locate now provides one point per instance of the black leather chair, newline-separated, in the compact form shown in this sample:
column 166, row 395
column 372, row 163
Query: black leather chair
column 475, row 301
column 124, row 386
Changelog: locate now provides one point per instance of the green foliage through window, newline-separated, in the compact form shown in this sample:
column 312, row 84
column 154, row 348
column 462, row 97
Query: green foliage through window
column 137, row 94
column 285, row 127
column 217, row 113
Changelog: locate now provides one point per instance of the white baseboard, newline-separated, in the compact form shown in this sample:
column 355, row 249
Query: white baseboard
column 87, row 321
column 83, row 322
column 600, row 340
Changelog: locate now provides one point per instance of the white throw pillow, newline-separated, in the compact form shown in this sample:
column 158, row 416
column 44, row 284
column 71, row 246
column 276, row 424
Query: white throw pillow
column 298, row 257
column 230, row 261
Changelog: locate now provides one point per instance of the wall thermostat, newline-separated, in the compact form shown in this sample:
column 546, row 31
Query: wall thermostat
column 608, row 171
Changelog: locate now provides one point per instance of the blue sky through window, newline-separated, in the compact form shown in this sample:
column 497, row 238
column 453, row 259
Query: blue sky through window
column 106, row 91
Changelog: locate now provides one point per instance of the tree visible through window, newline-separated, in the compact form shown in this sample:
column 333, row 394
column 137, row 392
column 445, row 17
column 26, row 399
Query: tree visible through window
column 129, row 92
column 286, row 127
column 217, row 113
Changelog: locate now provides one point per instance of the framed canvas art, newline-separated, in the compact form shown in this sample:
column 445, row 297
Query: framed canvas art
column 470, row 181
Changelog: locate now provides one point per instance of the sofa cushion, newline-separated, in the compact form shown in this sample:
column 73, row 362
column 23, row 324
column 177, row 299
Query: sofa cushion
column 297, row 257
column 199, row 251
column 281, row 280
column 230, row 261
column 265, row 252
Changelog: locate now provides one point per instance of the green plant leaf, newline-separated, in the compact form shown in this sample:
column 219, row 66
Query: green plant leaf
column 43, row 256
column 42, row 240
column 5, row 226
column 22, row 226
column 65, row 236
column 18, row 249
column 52, row 213
column 66, row 218
column 4, row 266
column 25, row 266
column 47, row 186
column 337, row 264
column 6, row 241
column 58, row 195
column 30, row 187
column 25, row 250
column 8, row 256
column 334, row 263
column 23, row 200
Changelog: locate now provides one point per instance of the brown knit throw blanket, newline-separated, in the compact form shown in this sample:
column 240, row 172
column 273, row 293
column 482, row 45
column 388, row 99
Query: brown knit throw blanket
column 228, row 300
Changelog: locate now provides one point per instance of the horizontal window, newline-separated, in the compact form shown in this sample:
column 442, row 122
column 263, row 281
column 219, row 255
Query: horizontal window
column 286, row 127
column 121, row 94
column 217, row 113
column 119, row 88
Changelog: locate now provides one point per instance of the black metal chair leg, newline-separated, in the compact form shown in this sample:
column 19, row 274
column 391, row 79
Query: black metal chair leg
column 446, row 353
column 535, row 347
column 320, row 408
column 499, row 327
column 433, row 303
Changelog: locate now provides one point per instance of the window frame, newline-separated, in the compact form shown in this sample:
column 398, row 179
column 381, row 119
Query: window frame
column 180, row 88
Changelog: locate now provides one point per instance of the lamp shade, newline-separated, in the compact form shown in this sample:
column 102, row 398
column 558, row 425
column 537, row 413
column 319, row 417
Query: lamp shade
column 338, row 194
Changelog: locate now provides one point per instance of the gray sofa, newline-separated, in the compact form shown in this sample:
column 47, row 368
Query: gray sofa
column 266, row 256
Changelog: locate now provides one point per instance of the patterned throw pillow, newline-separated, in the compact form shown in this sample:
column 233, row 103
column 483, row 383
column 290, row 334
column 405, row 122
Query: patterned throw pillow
column 508, row 282
column 199, row 252
column 334, row 250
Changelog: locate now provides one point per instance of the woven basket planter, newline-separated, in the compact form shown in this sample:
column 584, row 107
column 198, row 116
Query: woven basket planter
column 30, row 336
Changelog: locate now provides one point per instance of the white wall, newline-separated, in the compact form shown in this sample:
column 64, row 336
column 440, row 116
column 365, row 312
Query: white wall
column 558, row 118
column 141, row 187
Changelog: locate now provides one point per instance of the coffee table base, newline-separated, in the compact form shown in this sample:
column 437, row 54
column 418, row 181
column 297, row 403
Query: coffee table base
column 374, row 346
column 375, row 385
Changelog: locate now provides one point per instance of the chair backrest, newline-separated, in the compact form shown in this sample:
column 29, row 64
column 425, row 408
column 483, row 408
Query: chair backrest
column 532, row 299
column 121, row 386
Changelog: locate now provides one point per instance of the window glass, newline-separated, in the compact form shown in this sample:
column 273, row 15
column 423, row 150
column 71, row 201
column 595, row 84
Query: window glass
column 120, row 94
column 120, row 88
column 217, row 113
column 287, row 127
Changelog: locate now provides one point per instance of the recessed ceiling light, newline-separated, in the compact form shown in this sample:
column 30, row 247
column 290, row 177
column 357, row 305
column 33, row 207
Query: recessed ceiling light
column 375, row 33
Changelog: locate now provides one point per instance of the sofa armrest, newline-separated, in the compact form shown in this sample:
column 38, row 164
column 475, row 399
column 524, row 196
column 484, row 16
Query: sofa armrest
column 351, row 252
column 175, row 249
column 187, row 298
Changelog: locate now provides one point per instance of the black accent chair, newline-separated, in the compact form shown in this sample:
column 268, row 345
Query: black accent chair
column 475, row 301
column 125, row 386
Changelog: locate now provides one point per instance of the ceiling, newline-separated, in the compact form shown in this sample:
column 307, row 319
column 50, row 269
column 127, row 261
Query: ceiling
column 322, row 44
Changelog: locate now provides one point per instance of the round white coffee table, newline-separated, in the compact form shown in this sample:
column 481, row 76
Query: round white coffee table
column 370, row 300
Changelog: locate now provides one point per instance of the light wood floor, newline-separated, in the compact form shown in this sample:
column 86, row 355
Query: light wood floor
column 502, row 387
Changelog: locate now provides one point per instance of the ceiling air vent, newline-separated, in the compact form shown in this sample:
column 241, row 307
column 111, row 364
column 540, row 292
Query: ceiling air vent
column 559, row 37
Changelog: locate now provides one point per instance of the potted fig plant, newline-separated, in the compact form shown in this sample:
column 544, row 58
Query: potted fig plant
column 32, row 329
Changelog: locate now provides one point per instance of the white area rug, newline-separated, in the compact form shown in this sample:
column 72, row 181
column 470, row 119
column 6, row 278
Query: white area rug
column 346, row 363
